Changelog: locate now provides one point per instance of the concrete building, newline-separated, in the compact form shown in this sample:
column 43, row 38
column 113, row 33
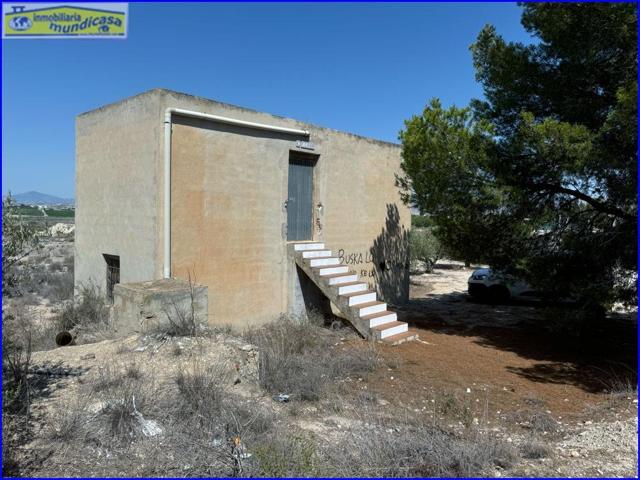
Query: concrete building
column 242, row 188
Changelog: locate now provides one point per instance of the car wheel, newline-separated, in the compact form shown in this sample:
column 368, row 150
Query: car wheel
column 499, row 294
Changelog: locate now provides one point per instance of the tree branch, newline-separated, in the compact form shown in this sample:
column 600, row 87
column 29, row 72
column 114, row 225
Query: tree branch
column 596, row 204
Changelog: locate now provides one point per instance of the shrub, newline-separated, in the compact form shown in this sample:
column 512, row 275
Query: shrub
column 123, row 396
column 16, row 392
column 182, row 320
column 16, row 358
column 534, row 449
column 18, row 240
column 89, row 313
column 425, row 247
column 300, row 358
column 537, row 420
column 61, row 286
column 421, row 221
column 285, row 455
column 201, row 389
column 451, row 406
column 417, row 450
column 11, row 427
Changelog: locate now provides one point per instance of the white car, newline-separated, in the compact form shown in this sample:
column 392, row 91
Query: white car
column 485, row 284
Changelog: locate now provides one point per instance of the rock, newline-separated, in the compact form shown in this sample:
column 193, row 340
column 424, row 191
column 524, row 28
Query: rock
column 97, row 407
column 60, row 229
column 247, row 348
column 382, row 402
column 150, row 428
column 217, row 442
column 574, row 453
column 417, row 267
column 87, row 356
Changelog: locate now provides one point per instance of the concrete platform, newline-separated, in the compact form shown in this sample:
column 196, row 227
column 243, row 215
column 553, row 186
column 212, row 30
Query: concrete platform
column 143, row 306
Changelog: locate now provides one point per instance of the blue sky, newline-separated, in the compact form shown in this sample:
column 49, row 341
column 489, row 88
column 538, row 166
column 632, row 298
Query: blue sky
column 363, row 68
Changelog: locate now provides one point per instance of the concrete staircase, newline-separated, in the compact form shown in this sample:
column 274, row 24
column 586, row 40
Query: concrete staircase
column 358, row 304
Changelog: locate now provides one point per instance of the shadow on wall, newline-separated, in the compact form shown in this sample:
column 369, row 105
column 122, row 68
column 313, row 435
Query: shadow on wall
column 314, row 299
column 390, row 253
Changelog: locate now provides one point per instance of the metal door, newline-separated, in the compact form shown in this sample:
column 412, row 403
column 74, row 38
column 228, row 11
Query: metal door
column 300, row 200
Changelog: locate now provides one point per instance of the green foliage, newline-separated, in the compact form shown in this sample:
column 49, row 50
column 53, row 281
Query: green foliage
column 31, row 211
column 18, row 240
column 421, row 221
column 425, row 247
column 60, row 212
column 28, row 210
column 540, row 178
column 288, row 456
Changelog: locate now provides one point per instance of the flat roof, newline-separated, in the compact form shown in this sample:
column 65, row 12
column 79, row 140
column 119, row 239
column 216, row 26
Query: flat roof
column 162, row 91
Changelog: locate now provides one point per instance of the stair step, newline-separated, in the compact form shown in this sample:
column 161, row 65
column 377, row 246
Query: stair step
column 380, row 318
column 315, row 253
column 357, row 298
column 350, row 287
column 299, row 247
column 399, row 338
column 324, row 270
column 388, row 329
column 371, row 307
column 341, row 278
column 324, row 261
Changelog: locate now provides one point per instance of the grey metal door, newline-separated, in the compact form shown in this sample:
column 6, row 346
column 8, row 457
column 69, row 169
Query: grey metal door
column 300, row 200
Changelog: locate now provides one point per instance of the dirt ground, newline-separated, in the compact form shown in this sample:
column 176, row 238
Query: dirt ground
column 503, row 364
column 491, row 367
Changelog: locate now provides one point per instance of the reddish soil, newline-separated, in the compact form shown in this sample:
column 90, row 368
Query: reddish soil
column 506, row 368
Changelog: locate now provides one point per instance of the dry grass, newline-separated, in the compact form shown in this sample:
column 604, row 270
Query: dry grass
column 536, row 420
column 300, row 358
column 535, row 449
column 206, row 430
column 45, row 274
column 110, row 410
column 193, row 424
column 87, row 317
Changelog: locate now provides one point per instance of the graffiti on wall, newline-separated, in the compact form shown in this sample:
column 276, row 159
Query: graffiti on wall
column 362, row 263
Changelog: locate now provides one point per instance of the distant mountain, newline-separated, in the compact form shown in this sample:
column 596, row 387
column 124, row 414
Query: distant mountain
column 37, row 198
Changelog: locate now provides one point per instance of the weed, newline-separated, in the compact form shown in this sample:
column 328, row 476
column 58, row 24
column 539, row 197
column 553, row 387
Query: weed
column 285, row 455
column 410, row 450
column 451, row 406
column 534, row 449
column 300, row 358
column 181, row 320
column 201, row 389
column 133, row 371
column 88, row 314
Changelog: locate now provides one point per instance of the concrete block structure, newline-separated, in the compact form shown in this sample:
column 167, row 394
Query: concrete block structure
column 172, row 185
column 159, row 305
